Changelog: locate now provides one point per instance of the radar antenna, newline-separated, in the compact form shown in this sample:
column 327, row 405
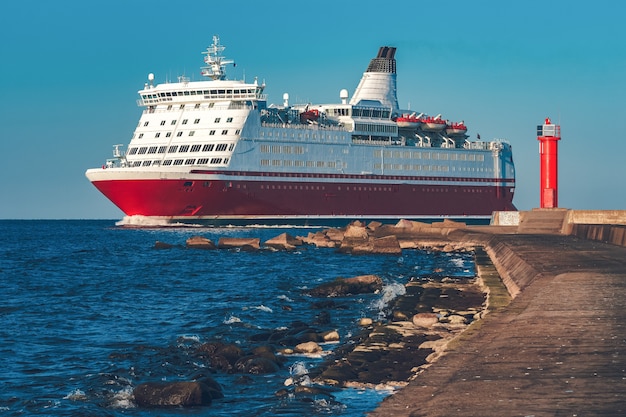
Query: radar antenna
column 216, row 63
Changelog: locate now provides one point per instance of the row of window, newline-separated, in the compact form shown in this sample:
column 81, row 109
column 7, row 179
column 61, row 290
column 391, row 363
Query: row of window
column 207, row 147
column 185, row 121
column 174, row 162
column 301, row 163
column 442, row 156
column 190, row 133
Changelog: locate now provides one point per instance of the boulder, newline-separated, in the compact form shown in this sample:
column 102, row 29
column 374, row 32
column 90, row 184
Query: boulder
column 172, row 394
column 308, row 347
column 162, row 245
column 283, row 241
column 425, row 319
column 388, row 245
column 330, row 336
column 200, row 242
column 361, row 284
column 243, row 243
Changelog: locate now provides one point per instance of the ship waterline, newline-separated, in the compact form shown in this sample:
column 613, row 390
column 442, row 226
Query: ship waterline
column 215, row 151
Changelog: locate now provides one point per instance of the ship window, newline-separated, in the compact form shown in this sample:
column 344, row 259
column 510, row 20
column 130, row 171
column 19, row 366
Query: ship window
column 229, row 120
column 173, row 122
column 225, row 132
column 140, row 135
column 179, row 134
column 182, row 106
column 132, row 151
column 203, row 161
column 231, row 147
column 142, row 150
column 178, row 162
column 184, row 122
column 195, row 148
column 136, row 163
column 162, row 122
column 161, row 149
column 169, row 107
column 225, row 160
column 265, row 162
column 221, row 147
column 146, row 163
column 156, row 163
column 146, row 123
column 183, row 148
column 208, row 147
column 167, row 162
column 197, row 106
column 190, row 161
column 157, row 134
column 238, row 131
column 168, row 134
column 152, row 149
column 173, row 149
column 217, row 120
column 192, row 132
column 195, row 122
column 216, row 160
column 212, row 132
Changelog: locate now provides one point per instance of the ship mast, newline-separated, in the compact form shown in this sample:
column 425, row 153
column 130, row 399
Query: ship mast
column 216, row 63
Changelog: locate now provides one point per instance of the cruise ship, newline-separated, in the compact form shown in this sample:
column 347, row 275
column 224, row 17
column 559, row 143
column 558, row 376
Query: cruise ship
column 214, row 151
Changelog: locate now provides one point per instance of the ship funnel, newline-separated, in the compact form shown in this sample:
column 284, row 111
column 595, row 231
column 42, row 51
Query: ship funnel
column 378, row 84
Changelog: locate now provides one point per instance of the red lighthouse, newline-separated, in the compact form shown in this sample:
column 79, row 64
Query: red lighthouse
column 548, row 136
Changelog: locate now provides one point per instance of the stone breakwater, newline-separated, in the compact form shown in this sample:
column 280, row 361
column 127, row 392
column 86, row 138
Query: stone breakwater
column 387, row 353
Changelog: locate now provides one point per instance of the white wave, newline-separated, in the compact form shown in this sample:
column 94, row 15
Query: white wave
column 285, row 298
column 76, row 395
column 123, row 398
column 150, row 221
column 298, row 368
column 458, row 262
column 389, row 293
column 232, row 319
column 260, row 308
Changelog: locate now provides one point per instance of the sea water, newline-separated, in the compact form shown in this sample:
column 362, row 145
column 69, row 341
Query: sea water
column 90, row 309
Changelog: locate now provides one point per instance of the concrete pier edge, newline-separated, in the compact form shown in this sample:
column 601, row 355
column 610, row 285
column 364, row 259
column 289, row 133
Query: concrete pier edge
column 559, row 346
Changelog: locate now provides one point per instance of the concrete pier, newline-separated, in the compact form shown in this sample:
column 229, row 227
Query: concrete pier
column 558, row 348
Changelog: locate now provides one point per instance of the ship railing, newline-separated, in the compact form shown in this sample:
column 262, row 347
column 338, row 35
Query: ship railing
column 300, row 126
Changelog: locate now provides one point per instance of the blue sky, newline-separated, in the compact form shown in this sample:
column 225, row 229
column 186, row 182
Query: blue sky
column 71, row 71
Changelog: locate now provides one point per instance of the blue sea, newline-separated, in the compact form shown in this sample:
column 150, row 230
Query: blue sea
column 90, row 309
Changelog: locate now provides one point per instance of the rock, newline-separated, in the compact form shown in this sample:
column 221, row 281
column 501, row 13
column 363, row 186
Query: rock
column 172, row 394
column 162, row 245
column 283, row 241
column 308, row 347
column 256, row 365
column 246, row 244
column 347, row 286
column 384, row 245
column 365, row 321
column 330, row 336
column 425, row 319
column 199, row 242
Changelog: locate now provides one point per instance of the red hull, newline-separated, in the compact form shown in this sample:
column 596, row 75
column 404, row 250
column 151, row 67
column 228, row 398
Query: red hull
column 219, row 198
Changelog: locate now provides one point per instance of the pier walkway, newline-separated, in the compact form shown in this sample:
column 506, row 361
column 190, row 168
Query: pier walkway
column 557, row 349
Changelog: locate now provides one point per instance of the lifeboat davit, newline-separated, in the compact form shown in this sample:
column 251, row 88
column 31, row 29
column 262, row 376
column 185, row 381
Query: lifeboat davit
column 434, row 124
column 410, row 121
column 453, row 129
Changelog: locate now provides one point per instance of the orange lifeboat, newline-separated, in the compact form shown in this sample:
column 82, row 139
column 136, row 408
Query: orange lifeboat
column 309, row 116
column 434, row 124
column 410, row 121
column 453, row 129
